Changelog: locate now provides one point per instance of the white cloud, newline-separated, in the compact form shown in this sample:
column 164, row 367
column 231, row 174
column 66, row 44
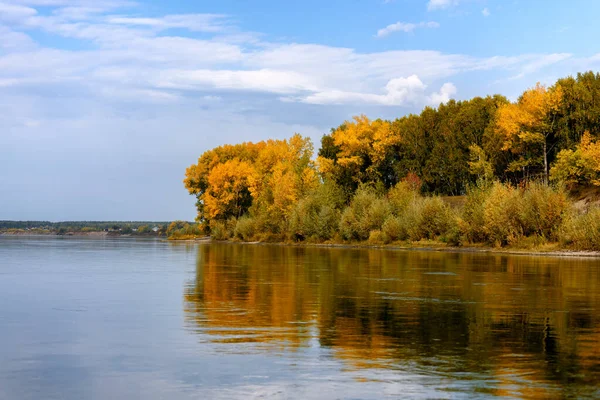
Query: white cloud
column 132, row 54
column 12, row 41
column 264, row 80
column 486, row 12
column 137, row 95
column 441, row 4
column 405, row 27
column 446, row 92
column 534, row 63
column 193, row 22
column 105, row 4
column 398, row 92
column 80, row 12
column 539, row 62
column 12, row 12
column 212, row 98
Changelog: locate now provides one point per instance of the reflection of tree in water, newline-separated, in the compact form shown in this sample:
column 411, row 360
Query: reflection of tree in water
column 518, row 319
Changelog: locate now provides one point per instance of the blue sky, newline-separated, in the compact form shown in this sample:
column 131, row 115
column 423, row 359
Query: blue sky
column 104, row 103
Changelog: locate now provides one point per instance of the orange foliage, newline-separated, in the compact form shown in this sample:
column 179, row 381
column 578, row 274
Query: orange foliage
column 272, row 175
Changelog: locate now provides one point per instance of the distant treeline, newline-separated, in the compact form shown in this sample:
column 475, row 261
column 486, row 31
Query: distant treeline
column 374, row 179
column 123, row 227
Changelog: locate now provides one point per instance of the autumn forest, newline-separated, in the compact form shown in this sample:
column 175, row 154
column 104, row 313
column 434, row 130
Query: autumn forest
column 485, row 171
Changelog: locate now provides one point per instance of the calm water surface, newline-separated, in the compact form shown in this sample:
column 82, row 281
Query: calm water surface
column 121, row 319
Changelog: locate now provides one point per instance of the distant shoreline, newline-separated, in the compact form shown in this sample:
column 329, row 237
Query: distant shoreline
column 80, row 234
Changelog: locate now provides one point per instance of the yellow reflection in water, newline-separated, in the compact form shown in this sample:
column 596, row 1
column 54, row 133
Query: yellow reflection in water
column 527, row 324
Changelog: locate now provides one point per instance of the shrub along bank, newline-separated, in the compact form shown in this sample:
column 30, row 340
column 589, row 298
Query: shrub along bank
column 493, row 214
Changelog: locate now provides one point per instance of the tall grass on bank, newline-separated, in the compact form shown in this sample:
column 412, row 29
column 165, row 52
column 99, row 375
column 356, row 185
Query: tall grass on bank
column 401, row 215
column 500, row 214
column 493, row 214
column 367, row 212
column 582, row 232
column 316, row 217
column 180, row 230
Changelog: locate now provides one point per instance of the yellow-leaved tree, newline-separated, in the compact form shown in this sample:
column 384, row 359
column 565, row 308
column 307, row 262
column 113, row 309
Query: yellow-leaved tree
column 266, row 178
column 198, row 180
column 579, row 166
column 283, row 173
column 228, row 194
column 356, row 151
column 528, row 126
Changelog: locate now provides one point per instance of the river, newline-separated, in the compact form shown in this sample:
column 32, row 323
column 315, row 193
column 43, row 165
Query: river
column 124, row 318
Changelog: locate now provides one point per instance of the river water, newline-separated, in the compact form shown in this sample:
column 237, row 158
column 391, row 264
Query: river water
column 124, row 318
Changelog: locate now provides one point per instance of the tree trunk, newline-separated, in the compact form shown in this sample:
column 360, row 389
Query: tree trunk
column 545, row 163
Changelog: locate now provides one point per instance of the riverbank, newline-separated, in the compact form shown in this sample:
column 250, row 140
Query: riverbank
column 552, row 249
column 536, row 217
